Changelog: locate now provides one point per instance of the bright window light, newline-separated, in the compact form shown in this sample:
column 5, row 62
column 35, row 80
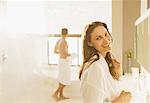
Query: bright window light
column 74, row 15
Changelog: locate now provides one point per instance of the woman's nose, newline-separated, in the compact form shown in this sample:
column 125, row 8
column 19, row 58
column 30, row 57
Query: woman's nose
column 107, row 40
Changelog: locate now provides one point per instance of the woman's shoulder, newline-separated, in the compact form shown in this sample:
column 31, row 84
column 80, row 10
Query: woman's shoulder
column 92, row 65
column 95, row 62
column 93, row 71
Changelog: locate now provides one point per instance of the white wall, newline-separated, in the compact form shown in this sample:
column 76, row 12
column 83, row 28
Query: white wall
column 26, row 17
column 75, row 15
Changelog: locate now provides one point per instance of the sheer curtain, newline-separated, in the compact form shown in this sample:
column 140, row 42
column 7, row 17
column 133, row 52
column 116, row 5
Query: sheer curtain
column 25, row 54
column 24, row 51
column 14, row 70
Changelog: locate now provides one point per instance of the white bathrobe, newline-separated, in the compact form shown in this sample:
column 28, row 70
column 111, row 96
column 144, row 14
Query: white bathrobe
column 97, row 84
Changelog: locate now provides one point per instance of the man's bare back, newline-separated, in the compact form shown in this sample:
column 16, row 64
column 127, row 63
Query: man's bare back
column 61, row 48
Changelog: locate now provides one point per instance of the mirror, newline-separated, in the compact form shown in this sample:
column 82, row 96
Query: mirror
column 142, row 41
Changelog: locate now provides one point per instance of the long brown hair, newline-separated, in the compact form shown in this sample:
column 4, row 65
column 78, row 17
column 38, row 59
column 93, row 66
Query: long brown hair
column 88, row 51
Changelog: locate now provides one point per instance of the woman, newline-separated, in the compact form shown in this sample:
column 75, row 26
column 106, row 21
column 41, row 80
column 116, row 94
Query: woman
column 99, row 70
column 61, row 48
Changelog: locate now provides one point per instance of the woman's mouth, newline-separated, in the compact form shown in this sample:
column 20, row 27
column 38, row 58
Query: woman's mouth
column 106, row 46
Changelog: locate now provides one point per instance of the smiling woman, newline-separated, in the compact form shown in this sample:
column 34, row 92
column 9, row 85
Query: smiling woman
column 97, row 82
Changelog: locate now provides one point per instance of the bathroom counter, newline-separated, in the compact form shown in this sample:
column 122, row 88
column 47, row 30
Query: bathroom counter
column 138, row 86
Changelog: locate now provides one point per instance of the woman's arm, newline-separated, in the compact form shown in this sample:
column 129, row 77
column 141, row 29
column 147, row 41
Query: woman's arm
column 116, row 71
column 114, row 66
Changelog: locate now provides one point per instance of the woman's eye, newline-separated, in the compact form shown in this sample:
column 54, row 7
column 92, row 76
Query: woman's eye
column 98, row 38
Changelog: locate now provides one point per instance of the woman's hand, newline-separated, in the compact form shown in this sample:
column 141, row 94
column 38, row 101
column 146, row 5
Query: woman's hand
column 125, row 97
column 116, row 71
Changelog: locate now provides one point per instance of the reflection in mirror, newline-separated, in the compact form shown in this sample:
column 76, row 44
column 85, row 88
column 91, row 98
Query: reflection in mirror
column 143, row 41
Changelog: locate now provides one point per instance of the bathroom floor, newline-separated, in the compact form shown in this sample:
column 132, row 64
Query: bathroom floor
column 44, row 98
column 40, row 89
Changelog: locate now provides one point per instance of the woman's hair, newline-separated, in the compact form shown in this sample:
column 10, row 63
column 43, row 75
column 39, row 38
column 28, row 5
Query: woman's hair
column 89, row 51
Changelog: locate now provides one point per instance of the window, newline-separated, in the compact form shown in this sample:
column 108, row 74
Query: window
column 74, row 44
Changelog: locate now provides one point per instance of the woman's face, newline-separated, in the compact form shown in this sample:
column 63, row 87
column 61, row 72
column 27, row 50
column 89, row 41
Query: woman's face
column 101, row 39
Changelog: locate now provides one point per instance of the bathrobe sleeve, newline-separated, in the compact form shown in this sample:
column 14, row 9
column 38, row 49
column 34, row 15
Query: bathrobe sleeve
column 92, row 85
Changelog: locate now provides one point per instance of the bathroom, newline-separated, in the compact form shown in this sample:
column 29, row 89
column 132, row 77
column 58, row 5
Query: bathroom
column 30, row 29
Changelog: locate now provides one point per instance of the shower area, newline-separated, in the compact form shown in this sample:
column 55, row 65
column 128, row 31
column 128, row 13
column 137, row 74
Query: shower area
column 20, row 57
column 22, row 52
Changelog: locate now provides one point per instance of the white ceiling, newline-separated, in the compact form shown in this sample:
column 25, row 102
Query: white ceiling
column 76, row 15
